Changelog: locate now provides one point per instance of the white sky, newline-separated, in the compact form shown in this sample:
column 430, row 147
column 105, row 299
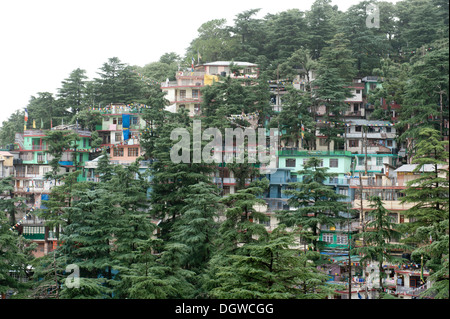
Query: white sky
column 43, row 41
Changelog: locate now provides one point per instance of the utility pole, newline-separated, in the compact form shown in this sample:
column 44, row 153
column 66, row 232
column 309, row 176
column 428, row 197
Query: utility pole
column 441, row 122
column 365, row 153
column 349, row 256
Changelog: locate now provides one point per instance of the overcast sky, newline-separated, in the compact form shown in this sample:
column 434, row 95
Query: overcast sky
column 43, row 41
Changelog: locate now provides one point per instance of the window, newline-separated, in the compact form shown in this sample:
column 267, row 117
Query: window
column 195, row 94
column 361, row 160
column 327, row 237
column 290, row 162
column 84, row 142
column 322, row 141
column 39, row 184
column 389, row 143
column 114, row 120
column 342, row 239
column 32, row 169
column 379, row 161
column 353, row 143
column 118, row 137
column 40, row 157
column 182, row 94
column 118, row 151
column 33, row 230
column 119, row 121
column 358, row 128
column 134, row 120
column 334, row 162
column 358, row 91
column 26, row 156
column 388, row 130
column 213, row 70
column 265, row 222
column 133, row 152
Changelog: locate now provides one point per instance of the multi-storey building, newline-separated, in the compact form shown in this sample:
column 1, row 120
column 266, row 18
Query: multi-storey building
column 6, row 163
column 355, row 102
column 120, row 131
column 185, row 92
column 371, row 137
column 31, row 163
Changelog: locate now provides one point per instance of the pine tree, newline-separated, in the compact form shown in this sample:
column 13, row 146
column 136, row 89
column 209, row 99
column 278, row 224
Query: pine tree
column 268, row 268
column 58, row 142
column 422, row 103
column 72, row 91
column 197, row 227
column 9, row 201
column 88, row 241
column 240, row 226
column 15, row 257
column 335, row 72
column 429, row 196
column 380, row 231
column 314, row 203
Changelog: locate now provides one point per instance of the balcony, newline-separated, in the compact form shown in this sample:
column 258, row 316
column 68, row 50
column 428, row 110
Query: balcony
column 274, row 204
column 412, row 291
column 295, row 152
column 183, row 83
column 189, row 73
column 39, row 147
column 372, row 181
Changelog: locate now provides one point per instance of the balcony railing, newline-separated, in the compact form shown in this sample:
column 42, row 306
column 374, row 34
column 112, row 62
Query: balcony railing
column 188, row 98
column 413, row 291
column 373, row 182
column 295, row 152
column 39, row 147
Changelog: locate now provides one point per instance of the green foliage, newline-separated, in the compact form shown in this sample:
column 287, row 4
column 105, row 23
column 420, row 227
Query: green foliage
column 380, row 231
column 267, row 268
column 430, row 210
column 10, row 127
column 314, row 203
column 15, row 256
column 73, row 91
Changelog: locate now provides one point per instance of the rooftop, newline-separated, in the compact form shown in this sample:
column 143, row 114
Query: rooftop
column 411, row 167
column 227, row 63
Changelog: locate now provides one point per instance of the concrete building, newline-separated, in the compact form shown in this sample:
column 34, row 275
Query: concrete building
column 185, row 92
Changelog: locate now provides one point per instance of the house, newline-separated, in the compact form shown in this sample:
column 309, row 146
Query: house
column 120, row 131
column 370, row 136
column 31, row 163
column 6, row 163
column 355, row 102
column 185, row 92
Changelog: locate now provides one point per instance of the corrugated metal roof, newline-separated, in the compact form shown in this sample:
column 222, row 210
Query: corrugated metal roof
column 229, row 62
column 411, row 167
column 365, row 122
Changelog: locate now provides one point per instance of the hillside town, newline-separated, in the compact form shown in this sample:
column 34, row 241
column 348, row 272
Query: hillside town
column 353, row 206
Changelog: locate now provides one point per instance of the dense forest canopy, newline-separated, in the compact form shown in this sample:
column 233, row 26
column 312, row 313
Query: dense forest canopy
column 406, row 31
column 157, row 234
